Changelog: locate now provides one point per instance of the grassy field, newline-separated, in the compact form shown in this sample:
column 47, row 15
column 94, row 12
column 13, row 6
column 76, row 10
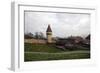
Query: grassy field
column 41, row 48
column 36, row 52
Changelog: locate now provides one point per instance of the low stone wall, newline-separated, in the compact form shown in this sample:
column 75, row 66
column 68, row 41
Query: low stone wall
column 35, row 41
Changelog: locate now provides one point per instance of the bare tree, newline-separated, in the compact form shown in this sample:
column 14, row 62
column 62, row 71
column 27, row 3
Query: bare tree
column 28, row 35
column 39, row 35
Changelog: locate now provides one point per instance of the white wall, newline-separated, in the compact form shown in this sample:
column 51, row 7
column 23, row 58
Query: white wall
column 5, row 31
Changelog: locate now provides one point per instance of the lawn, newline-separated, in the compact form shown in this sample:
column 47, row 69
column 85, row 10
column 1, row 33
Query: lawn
column 38, row 52
column 41, row 48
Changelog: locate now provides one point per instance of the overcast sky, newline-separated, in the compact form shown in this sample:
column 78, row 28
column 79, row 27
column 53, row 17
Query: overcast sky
column 62, row 24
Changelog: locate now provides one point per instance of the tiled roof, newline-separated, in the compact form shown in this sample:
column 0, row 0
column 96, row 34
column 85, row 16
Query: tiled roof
column 49, row 29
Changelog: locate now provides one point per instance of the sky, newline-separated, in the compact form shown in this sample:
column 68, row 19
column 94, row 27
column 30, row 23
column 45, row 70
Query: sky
column 62, row 24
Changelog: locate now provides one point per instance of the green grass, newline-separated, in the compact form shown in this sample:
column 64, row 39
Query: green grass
column 37, row 56
column 40, row 52
column 41, row 48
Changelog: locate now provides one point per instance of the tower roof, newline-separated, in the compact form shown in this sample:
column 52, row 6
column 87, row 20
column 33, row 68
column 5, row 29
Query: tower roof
column 49, row 29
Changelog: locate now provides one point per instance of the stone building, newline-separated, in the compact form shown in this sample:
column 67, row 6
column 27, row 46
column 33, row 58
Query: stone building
column 49, row 34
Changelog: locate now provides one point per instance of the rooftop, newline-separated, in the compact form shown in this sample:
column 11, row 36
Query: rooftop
column 49, row 29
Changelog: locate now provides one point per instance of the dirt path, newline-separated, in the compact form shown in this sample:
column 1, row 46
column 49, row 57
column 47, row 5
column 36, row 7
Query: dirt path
column 69, row 52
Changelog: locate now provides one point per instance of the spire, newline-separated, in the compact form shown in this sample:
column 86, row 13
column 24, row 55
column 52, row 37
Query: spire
column 49, row 29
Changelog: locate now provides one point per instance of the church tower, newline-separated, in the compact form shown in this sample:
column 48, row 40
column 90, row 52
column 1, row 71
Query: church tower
column 49, row 34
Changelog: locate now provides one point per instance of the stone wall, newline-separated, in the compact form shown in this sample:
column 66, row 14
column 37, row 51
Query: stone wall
column 35, row 41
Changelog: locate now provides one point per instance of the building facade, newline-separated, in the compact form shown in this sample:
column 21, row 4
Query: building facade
column 49, row 34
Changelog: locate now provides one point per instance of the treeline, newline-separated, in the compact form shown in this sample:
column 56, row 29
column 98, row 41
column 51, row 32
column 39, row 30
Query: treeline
column 36, row 35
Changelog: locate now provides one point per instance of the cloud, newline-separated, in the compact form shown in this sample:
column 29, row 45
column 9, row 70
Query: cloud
column 62, row 24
